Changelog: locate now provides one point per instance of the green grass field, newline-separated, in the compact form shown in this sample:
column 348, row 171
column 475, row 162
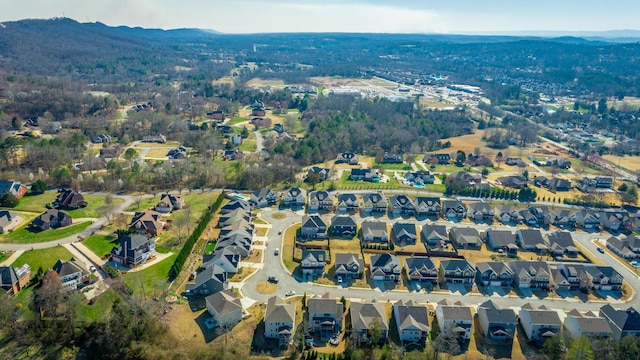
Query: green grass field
column 96, row 207
column 393, row 166
column 238, row 119
column 36, row 203
column 25, row 236
column 152, row 280
column 100, row 308
column 347, row 184
column 101, row 245
column 248, row 146
column 44, row 258
column 144, row 204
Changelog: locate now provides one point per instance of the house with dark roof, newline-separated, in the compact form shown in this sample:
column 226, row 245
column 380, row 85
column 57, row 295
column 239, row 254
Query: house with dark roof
column 404, row 233
column 231, row 155
column 428, row 206
column 348, row 202
column 320, row 200
column 348, row 266
column 385, row 267
column 558, row 184
column 344, row 226
column 69, row 199
column 457, row 271
column 264, row 197
column 563, row 218
column 280, row 320
column 480, row 212
column 401, row 205
column 233, row 217
column 225, row 308
column 507, row 215
column 294, row 198
column 237, row 244
column 514, row 181
column 437, row 241
column 622, row 248
column 465, row 238
column 588, row 220
column 494, row 273
column 390, row 158
column 542, row 215
column 540, row 323
column 363, row 315
column 561, row 243
column 225, row 258
column 14, row 279
column 73, row 274
column 210, row 280
column 9, row 220
column 453, row 210
column 498, row 325
column 419, row 178
column 51, row 219
column 133, row 250
column 347, row 157
column 528, row 218
column 374, row 232
column 325, row 315
column 421, row 269
column 503, row 241
column 313, row 263
column 15, row 188
column 540, row 181
column 573, row 275
column 364, row 174
column 615, row 221
column 603, row 277
column 313, row 227
column 437, row 159
column 412, row 322
column 531, row 274
column 587, row 325
column 241, row 227
column 169, row 203
column 455, row 320
column 623, row 322
column 323, row 173
column 147, row 222
column 374, row 203
column 531, row 240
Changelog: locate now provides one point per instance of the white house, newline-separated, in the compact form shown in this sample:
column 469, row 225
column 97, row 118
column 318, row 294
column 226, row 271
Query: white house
column 225, row 308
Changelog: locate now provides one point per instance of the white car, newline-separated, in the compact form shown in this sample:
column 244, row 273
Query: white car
column 276, row 251
column 290, row 293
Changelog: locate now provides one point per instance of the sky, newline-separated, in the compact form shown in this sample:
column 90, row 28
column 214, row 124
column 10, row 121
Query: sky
column 380, row 16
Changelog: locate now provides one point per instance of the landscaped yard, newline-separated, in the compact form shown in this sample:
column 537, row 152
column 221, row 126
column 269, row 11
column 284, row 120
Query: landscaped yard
column 25, row 236
column 44, row 258
column 248, row 146
column 99, row 309
column 144, row 204
column 101, row 245
column 152, row 280
column 96, row 207
column 287, row 247
column 36, row 203
column 347, row 184
column 393, row 166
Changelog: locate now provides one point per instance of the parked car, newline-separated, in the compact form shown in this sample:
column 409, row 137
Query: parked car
column 272, row 279
column 600, row 250
column 290, row 293
column 276, row 251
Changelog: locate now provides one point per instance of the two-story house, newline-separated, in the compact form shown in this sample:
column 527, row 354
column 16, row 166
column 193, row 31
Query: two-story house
column 563, row 218
column 363, row 315
column 374, row 232
column 325, row 315
column 148, row 222
column 615, row 221
column 364, row 174
column 623, row 322
column 313, row 263
column 209, row 281
column 428, row 206
column 51, row 219
column 374, row 203
column 412, row 322
column 494, row 273
column 225, row 308
column 14, row 279
column 294, row 198
column 587, row 325
column 453, row 210
column 401, row 205
column 279, row 320
column 454, row 319
column 404, row 233
column 73, row 274
column 480, row 212
column 503, row 241
column 264, row 197
column 457, row 271
column 561, row 243
column 507, row 215
column 313, row 227
column 320, row 201
column 348, row 202
column 347, row 157
column 419, row 178
column 531, row 240
column 587, row 220
column 344, row 226
column 133, row 250
column 498, row 325
column 540, row 323
column 421, row 269
column 385, row 267
column 323, row 173
column 69, row 199
column 169, row 203
column 465, row 238
column 603, row 278
column 348, row 266
column 531, row 274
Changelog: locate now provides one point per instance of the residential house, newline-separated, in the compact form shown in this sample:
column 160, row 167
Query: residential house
column 363, row 315
column 294, row 198
column 9, row 220
column 561, row 243
column 279, row 128
column 412, row 322
column 574, row 274
column 563, row 218
column 587, row 325
column 69, row 200
column 494, row 273
column 51, row 219
column 588, row 220
column 540, row 323
column 457, row 271
column 531, row 274
column 344, row 226
column 323, row 173
column 217, row 115
column 480, row 211
column 348, row 266
column 239, row 227
column 264, row 197
column 313, row 227
column 466, row 178
column 454, row 319
column 236, row 140
column 615, row 221
column 514, row 181
column 558, row 281
column 389, row 158
column 231, row 155
column 421, row 269
column 604, row 182
column 320, row 200
column 313, row 263
column 622, row 248
column 169, row 203
column 453, row 210
column 428, row 206
column 209, row 281
column 348, row 202
column 225, row 129
column 14, row 279
column 160, row 139
column 498, row 325
column 558, row 184
column 237, row 244
column 279, row 320
column 347, row 157
column 147, row 222
column 603, row 278
column 73, row 274
column 419, row 178
column 623, row 322
column 507, row 215
column 528, row 218
column 101, row 138
column 365, row 174
column 437, row 241
column 401, row 205
column 404, row 233
column 233, row 217
column 385, row 267
column 110, row 152
column 374, row 203
column 15, row 188
column 531, row 240
column 541, row 181
column 374, row 232
column 542, row 214
column 325, row 315
column 226, row 259
column 465, row 238
column 599, row 182
column 133, row 250
column 258, row 111
column 437, row 159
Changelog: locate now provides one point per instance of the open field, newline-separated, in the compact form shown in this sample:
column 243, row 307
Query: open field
column 158, row 153
column 25, row 236
column 44, row 258
column 152, row 280
column 631, row 163
column 265, row 82
column 36, row 203
column 101, row 245
column 96, row 207
column 168, row 145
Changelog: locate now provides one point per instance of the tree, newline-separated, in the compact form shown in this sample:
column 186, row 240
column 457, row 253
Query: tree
column 553, row 347
column 38, row 187
column 602, row 106
column 580, row 349
column 525, row 174
column 130, row 154
column 9, row 200
column 485, row 172
column 627, row 348
column 461, row 157
column 447, row 344
column 375, row 331
column 313, row 179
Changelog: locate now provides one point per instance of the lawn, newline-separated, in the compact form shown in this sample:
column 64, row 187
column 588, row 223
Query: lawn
column 36, row 203
column 238, row 119
column 144, row 204
column 393, row 166
column 99, row 309
column 44, row 258
column 96, row 207
column 628, row 162
column 248, row 146
column 347, row 184
column 101, row 245
column 25, row 236
column 287, row 247
column 152, row 280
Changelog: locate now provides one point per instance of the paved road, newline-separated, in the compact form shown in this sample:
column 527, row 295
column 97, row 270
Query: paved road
column 274, row 267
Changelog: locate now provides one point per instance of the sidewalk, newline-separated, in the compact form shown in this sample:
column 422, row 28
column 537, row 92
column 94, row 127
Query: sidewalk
column 95, row 259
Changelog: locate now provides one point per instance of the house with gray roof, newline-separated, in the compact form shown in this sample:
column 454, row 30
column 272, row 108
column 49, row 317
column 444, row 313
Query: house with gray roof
column 563, row 218
column 465, row 238
column 363, row 315
column 480, row 212
column 454, row 319
column 234, row 205
column 401, row 205
column 210, row 280
column 628, row 247
column 133, row 250
column 494, row 273
column 226, row 259
column 561, row 243
column 588, row 325
column 531, row 274
column 503, row 241
column 385, row 267
column 294, row 198
column 615, row 221
column 348, row 266
column 498, row 325
column 588, row 220
column 404, row 233
column 428, row 206
column 412, row 322
column 51, row 219
column 421, row 269
column 507, row 215
column 320, row 201
column 9, row 220
column 457, row 271
column 623, row 322
column 603, row 277
column 313, row 263
column 325, row 315
column 539, row 323
column 279, row 320
column 14, row 187
column 73, row 274
column 225, row 308
column 374, row 203
column 313, row 227
column 453, row 210
column 14, row 279
column 347, row 202
column 169, row 203
column 374, row 232
column 263, row 198
column 344, row 226
column 531, row 240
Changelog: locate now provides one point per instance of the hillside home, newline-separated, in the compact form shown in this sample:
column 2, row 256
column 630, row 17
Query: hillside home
column 209, row 281
column 325, row 315
column 133, row 250
column 225, row 308
column 73, row 274
column 279, row 320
